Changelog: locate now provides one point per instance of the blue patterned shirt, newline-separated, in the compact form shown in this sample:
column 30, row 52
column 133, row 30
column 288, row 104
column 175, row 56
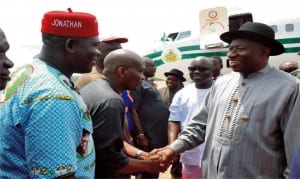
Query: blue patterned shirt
column 45, row 129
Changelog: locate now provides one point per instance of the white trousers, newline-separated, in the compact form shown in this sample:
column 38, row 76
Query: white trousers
column 191, row 171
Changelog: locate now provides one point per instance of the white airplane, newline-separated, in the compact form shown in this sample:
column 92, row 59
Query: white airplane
column 177, row 49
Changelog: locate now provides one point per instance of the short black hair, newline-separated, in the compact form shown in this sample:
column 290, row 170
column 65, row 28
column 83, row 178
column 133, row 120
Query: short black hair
column 53, row 40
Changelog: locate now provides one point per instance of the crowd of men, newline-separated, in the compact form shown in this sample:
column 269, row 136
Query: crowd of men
column 244, row 124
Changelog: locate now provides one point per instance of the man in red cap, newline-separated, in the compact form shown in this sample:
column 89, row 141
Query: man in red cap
column 49, row 121
column 106, row 45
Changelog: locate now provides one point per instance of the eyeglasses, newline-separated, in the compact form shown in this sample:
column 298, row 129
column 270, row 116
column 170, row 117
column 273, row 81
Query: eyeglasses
column 203, row 69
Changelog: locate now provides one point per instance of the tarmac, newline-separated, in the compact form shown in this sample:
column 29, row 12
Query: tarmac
column 165, row 175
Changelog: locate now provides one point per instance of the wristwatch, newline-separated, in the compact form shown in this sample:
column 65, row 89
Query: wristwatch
column 141, row 136
column 138, row 154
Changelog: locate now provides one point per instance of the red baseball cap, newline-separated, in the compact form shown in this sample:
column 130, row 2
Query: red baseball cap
column 115, row 39
column 70, row 24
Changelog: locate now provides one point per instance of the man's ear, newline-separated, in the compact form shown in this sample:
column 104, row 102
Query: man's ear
column 69, row 45
column 121, row 71
column 266, row 50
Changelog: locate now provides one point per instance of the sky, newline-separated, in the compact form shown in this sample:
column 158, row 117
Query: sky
column 143, row 22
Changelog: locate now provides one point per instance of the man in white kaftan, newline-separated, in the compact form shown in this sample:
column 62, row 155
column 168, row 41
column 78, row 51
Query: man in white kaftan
column 250, row 118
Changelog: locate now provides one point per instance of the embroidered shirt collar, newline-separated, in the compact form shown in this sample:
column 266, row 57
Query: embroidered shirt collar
column 263, row 71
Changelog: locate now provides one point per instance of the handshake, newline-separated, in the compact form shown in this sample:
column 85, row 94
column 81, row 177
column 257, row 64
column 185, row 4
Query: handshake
column 158, row 160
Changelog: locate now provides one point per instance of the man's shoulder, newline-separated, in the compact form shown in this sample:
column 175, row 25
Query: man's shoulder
column 226, row 78
column 98, row 84
column 99, row 90
column 284, row 77
column 86, row 78
column 186, row 88
column 34, row 81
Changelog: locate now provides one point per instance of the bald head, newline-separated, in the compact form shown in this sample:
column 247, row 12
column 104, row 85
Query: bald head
column 218, row 65
column 217, row 61
column 123, row 69
column 201, row 72
column 148, row 61
column 150, row 68
column 288, row 66
column 203, row 60
column 121, row 57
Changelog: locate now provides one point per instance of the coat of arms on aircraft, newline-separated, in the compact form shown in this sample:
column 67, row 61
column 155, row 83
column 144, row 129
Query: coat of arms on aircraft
column 170, row 54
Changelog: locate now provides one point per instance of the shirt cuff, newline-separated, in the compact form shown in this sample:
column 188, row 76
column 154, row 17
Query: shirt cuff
column 178, row 146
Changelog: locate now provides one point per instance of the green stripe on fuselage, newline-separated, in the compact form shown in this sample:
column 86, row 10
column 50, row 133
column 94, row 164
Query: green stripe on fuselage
column 289, row 40
column 181, row 49
column 154, row 55
column 205, row 54
column 158, row 61
column 292, row 50
column 189, row 48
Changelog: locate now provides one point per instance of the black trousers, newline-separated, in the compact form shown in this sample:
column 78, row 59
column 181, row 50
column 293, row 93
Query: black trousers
column 176, row 169
column 147, row 176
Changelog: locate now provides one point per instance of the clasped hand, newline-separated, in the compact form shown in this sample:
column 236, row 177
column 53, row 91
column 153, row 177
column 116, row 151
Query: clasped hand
column 161, row 158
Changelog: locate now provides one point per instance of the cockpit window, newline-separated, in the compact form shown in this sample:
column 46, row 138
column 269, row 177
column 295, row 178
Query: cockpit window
column 178, row 35
column 183, row 35
column 172, row 36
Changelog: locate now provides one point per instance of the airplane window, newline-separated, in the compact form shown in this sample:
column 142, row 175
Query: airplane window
column 183, row 35
column 289, row 27
column 274, row 27
column 172, row 36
